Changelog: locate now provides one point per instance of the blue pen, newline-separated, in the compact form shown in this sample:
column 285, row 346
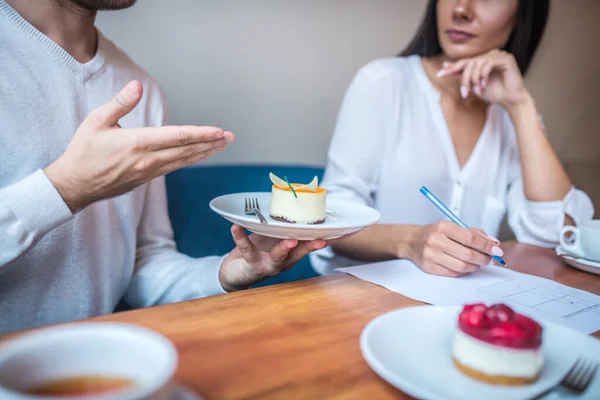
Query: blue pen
column 448, row 213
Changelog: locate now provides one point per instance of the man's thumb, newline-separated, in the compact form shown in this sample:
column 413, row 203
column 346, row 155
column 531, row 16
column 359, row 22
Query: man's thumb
column 110, row 113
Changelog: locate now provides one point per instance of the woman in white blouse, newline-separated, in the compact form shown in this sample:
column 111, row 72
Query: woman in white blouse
column 453, row 114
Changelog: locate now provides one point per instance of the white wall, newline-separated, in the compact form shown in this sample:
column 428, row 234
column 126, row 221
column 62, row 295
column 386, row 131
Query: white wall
column 274, row 71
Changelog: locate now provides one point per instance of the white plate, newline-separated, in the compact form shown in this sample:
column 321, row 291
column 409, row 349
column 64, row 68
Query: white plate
column 411, row 348
column 342, row 218
column 582, row 264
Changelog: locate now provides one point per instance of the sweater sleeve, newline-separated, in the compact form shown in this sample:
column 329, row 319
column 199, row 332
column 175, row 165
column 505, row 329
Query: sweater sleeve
column 162, row 274
column 29, row 209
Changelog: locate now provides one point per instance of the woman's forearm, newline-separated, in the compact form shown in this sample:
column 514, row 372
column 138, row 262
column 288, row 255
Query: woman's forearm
column 379, row 243
column 544, row 178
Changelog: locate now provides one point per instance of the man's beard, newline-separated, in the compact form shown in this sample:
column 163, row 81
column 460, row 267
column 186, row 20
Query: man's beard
column 97, row 5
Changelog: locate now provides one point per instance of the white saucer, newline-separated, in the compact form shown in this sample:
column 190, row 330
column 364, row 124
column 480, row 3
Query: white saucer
column 342, row 218
column 593, row 267
column 411, row 348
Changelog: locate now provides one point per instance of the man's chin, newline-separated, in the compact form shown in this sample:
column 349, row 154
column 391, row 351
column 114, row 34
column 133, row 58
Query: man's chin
column 102, row 5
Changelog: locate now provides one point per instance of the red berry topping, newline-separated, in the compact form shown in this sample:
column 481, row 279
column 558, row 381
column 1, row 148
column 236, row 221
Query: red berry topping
column 479, row 307
column 499, row 313
column 500, row 325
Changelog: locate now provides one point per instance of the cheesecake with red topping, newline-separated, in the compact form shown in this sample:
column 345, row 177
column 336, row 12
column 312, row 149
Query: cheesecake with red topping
column 497, row 345
column 297, row 204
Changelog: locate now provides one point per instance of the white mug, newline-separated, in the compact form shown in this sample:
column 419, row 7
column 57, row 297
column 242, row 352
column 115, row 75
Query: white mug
column 146, row 358
column 584, row 241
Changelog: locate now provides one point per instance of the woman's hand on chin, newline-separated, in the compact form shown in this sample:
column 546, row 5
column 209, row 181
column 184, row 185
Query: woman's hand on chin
column 494, row 77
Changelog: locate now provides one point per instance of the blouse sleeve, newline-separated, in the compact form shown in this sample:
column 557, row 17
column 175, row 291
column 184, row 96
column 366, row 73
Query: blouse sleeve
column 354, row 158
column 355, row 153
column 539, row 222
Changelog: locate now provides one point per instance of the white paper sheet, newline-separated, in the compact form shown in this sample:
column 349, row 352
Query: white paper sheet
column 537, row 297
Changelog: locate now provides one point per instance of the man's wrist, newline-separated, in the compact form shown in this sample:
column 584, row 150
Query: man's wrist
column 64, row 187
column 225, row 283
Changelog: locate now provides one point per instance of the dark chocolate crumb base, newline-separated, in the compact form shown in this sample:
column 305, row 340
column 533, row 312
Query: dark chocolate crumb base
column 283, row 219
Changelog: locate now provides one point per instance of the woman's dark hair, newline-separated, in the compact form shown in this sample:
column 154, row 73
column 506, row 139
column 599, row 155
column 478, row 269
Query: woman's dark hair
column 531, row 19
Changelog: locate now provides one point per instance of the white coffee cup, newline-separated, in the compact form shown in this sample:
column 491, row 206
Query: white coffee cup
column 88, row 349
column 584, row 241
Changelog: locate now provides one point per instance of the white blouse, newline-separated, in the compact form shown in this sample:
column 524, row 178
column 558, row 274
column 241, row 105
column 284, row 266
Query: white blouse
column 392, row 138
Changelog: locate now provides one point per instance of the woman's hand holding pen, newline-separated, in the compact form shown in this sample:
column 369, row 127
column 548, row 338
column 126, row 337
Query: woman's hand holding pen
column 447, row 249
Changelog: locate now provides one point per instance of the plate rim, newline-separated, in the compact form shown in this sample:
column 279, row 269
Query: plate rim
column 407, row 386
column 278, row 224
column 560, row 251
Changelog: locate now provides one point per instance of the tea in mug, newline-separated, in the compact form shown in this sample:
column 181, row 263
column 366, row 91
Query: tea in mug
column 81, row 385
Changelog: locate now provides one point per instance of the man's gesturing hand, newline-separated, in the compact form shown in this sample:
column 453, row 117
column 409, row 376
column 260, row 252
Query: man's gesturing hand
column 104, row 160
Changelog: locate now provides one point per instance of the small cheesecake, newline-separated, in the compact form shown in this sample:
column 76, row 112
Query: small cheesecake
column 497, row 345
column 305, row 204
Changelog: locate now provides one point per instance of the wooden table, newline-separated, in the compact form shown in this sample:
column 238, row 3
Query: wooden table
column 299, row 340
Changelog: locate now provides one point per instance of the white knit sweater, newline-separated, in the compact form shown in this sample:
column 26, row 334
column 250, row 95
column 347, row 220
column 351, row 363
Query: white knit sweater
column 55, row 266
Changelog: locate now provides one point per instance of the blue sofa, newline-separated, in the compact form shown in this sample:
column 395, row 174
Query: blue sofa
column 201, row 232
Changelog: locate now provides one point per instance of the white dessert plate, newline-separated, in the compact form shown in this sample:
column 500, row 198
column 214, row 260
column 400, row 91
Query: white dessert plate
column 342, row 218
column 411, row 348
column 582, row 264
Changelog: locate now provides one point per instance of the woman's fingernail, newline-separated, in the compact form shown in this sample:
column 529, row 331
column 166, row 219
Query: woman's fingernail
column 440, row 73
column 477, row 90
column 464, row 92
column 497, row 251
column 445, row 64
column 483, row 83
column 494, row 239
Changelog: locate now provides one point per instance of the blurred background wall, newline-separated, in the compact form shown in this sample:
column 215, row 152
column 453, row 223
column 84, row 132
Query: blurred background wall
column 274, row 71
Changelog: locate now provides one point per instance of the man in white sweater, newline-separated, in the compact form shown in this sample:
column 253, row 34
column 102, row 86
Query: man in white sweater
column 83, row 213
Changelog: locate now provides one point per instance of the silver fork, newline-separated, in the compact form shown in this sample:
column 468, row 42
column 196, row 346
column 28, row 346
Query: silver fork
column 578, row 379
column 252, row 207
